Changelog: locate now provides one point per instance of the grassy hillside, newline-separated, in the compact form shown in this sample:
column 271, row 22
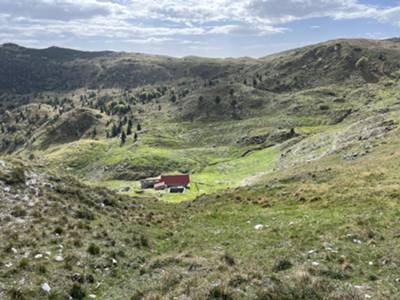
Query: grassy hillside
column 223, row 121
column 293, row 161
column 320, row 230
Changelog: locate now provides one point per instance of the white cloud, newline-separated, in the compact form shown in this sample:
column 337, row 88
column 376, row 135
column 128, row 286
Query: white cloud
column 159, row 21
column 283, row 11
column 246, row 29
column 151, row 40
column 391, row 15
column 59, row 9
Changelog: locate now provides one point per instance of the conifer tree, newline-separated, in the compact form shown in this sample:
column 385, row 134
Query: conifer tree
column 129, row 129
column 123, row 138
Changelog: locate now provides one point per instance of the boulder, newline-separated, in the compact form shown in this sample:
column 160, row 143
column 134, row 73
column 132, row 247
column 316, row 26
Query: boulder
column 46, row 287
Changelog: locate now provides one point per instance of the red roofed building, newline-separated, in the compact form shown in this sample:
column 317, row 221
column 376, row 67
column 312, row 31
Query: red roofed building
column 175, row 180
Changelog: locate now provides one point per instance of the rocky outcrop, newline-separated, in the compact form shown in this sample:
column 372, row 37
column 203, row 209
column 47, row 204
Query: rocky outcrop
column 270, row 138
column 358, row 134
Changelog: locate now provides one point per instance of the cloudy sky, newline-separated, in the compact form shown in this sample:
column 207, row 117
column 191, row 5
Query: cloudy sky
column 216, row 28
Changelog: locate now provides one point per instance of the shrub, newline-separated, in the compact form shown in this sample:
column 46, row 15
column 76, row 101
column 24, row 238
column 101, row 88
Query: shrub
column 109, row 202
column 20, row 294
column 219, row 292
column 138, row 295
column 141, row 241
column 282, row 265
column 41, row 269
column 77, row 292
column 19, row 212
column 58, row 230
column 229, row 259
column 93, row 249
column 16, row 176
column 16, row 294
column 77, row 243
column 24, row 263
column 334, row 274
column 85, row 214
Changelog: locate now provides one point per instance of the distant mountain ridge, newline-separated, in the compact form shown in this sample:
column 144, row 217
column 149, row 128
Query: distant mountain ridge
column 26, row 70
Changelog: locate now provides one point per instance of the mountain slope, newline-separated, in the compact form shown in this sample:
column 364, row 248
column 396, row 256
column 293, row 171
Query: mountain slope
column 293, row 160
column 203, row 116
column 355, row 61
column 27, row 70
column 317, row 231
column 30, row 70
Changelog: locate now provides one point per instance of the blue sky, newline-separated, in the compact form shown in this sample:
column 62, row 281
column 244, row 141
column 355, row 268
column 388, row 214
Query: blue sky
column 214, row 28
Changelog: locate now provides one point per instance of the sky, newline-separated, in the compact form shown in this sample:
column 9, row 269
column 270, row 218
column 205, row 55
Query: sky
column 212, row 28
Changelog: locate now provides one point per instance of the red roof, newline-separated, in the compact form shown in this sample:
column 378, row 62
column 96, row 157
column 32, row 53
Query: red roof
column 173, row 180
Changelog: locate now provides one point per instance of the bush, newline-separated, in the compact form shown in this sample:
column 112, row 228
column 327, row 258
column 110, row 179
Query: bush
column 93, row 249
column 58, row 230
column 77, row 243
column 16, row 176
column 282, row 265
column 219, row 292
column 41, row 269
column 19, row 212
column 141, row 241
column 229, row 260
column 334, row 274
column 20, row 294
column 24, row 263
column 16, row 294
column 77, row 292
column 85, row 214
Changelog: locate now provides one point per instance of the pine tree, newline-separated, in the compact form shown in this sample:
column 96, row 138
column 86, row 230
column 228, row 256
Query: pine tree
column 94, row 133
column 129, row 129
column 114, row 131
column 123, row 138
